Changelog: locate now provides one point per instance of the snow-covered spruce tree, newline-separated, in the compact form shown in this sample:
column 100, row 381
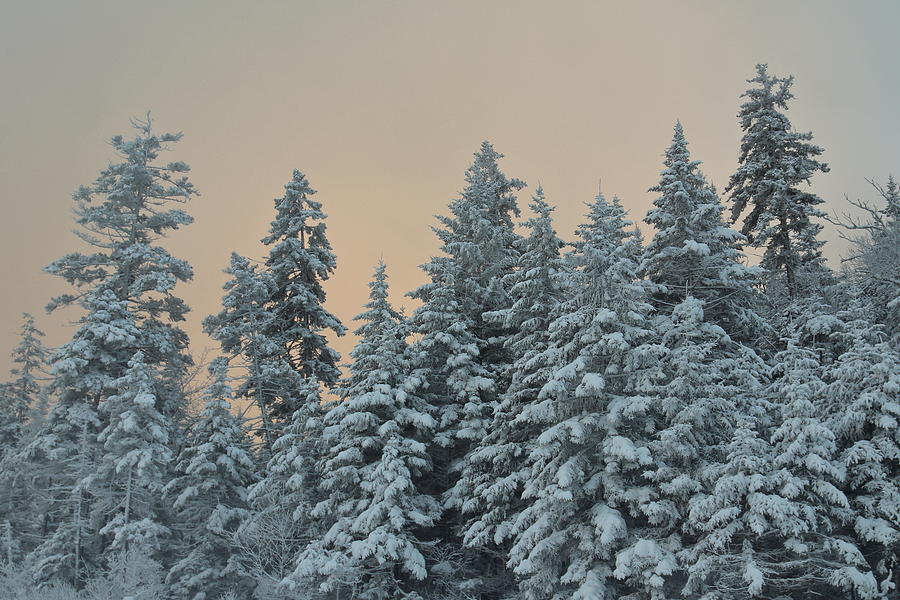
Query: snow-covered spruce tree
column 22, row 399
column 299, row 261
column 280, row 524
column 694, row 253
column 776, row 163
column 240, row 330
column 377, row 439
column 133, row 467
column 492, row 478
column 22, row 407
column 126, row 290
column 574, row 516
column 290, row 364
column 706, row 382
column 208, row 493
column 863, row 399
column 460, row 356
column 773, row 523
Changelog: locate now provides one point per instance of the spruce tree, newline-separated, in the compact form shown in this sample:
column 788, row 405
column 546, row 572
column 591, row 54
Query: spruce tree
column 126, row 289
column 377, row 437
column 694, row 253
column 573, row 520
column 460, row 356
column 133, row 467
column 22, row 407
column 705, row 385
column 292, row 370
column 863, row 400
column 208, row 494
column 21, row 398
column 772, row 523
column 240, row 330
column 300, row 259
column 489, row 488
column 775, row 165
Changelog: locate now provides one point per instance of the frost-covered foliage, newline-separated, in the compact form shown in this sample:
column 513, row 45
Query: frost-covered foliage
column 299, row 261
column 863, row 397
column 694, row 253
column 490, row 485
column 377, row 440
column 239, row 329
column 459, row 356
column 619, row 422
column 874, row 262
column 776, row 165
column 566, row 533
column 125, row 288
column 772, row 524
column 133, row 466
column 208, row 494
column 706, row 381
column 23, row 401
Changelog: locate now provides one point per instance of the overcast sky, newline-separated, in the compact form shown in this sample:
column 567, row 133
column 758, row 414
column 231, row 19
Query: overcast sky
column 382, row 104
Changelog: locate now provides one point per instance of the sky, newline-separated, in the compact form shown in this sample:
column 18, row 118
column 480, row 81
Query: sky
column 382, row 105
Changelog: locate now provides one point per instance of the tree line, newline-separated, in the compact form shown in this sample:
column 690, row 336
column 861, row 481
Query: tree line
column 594, row 418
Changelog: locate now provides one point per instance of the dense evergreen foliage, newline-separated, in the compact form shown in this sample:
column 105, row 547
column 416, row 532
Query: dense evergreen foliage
column 619, row 421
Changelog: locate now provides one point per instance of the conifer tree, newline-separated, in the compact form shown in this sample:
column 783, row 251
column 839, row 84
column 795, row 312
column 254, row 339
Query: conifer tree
column 492, row 478
column 133, row 468
column 706, row 381
column 240, row 330
column 572, row 522
column 772, row 523
column 21, row 398
column 22, row 407
column 299, row 261
column 863, row 399
column 291, row 365
column 126, row 290
column 693, row 252
column 460, row 357
column 208, row 495
column 776, row 163
column 377, row 438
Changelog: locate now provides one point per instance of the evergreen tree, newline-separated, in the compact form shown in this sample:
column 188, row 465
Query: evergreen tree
column 282, row 501
column 705, row 384
column 864, row 401
column 377, row 439
column 208, row 494
column 489, row 488
column 275, row 319
column 573, row 519
column 22, row 407
column 240, row 330
column 131, row 472
column 771, row 524
column 126, row 290
column 21, row 398
column 693, row 252
column 460, row 356
column 775, row 163
column 299, row 261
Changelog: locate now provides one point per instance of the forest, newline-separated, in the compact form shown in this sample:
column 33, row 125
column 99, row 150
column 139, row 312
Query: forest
column 601, row 417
